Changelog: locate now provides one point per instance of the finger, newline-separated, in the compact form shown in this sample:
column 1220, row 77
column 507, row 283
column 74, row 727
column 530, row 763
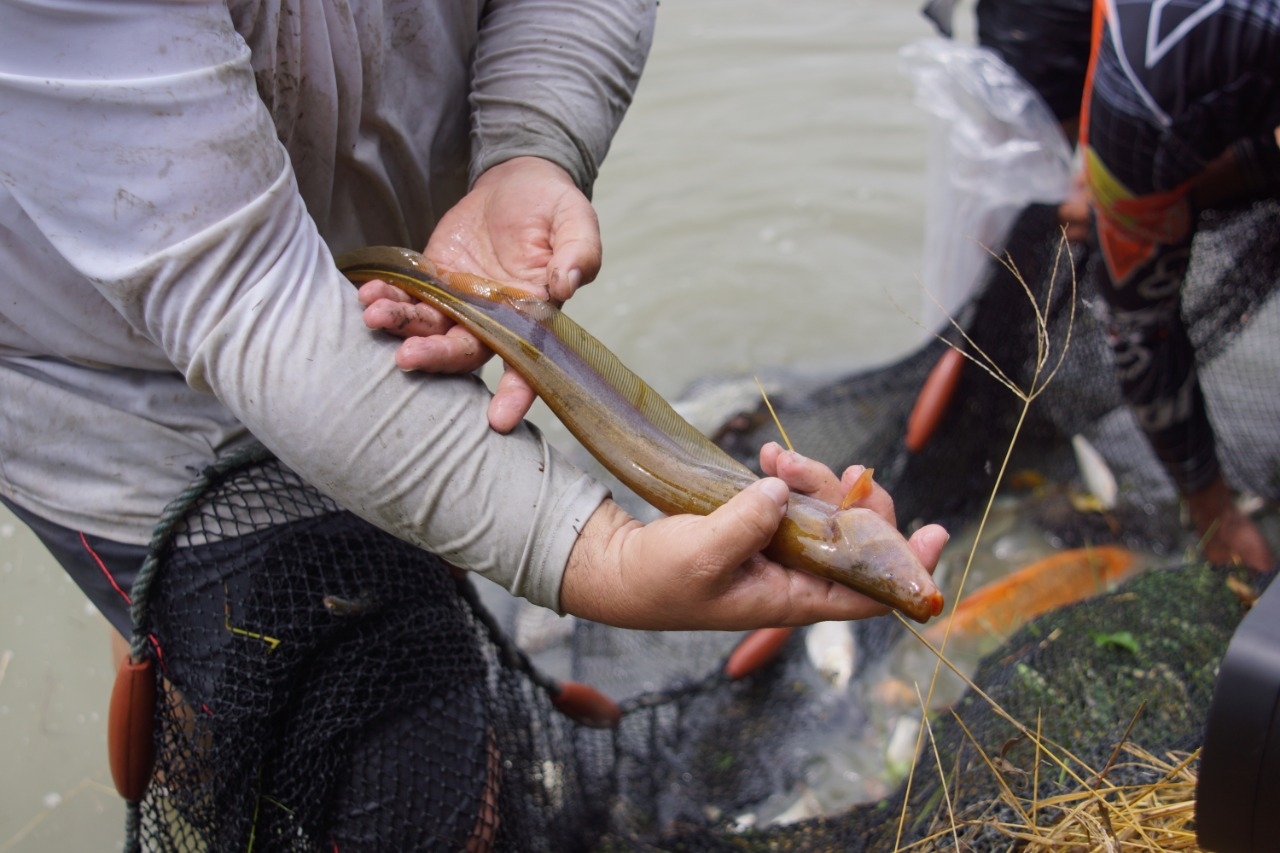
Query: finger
column 511, row 401
column 741, row 527
column 374, row 289
column 812, row 599
column 687, row 571
column 878, row 501
column 927, row 544
column 770, row 594
column 810, row 477
column 769, row 458
column 405, row 319
column 456, row 351
column 807, row 476
column 575, row 250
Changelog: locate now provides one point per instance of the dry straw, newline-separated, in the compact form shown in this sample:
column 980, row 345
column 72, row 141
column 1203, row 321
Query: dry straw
column 1097, row 815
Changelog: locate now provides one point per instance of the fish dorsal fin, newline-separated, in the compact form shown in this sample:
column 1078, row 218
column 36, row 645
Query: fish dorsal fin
column 861, row 488
column 517, row 326
column 631, row 388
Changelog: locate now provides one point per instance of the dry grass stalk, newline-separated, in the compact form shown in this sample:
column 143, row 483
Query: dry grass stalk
column 1046, row 367
column 1155, row 817
column 1098, row 815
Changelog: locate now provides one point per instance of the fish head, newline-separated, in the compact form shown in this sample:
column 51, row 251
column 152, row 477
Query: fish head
column 856, row 548
column 880, row 564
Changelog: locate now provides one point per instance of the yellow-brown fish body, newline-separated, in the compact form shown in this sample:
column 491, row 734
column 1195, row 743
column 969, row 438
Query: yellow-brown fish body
column 641, row 440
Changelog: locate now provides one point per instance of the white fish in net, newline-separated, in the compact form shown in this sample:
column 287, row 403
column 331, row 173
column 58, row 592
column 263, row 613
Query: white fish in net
column 831, row 650
column 1095, row 472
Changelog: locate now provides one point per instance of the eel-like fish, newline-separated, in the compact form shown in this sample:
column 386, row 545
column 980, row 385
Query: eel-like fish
column 638, row 437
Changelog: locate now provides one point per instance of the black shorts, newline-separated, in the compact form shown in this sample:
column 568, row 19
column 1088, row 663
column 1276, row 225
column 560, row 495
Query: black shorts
column 103, row 569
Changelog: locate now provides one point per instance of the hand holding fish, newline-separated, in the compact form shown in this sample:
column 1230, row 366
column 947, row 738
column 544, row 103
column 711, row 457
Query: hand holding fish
column 808, row 477
column 687, row 572
column 523, row 222
column 640, row 439
column 1228, row 535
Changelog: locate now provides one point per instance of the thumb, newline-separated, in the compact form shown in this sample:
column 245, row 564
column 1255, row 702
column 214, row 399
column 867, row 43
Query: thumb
column 742, row 527
column 575, row 250
column 511, row 401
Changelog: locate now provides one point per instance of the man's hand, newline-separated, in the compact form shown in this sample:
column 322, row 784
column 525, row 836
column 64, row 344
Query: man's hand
column 690, row 572
column 524, row 222
column 1074, row 214
column 1228, row 536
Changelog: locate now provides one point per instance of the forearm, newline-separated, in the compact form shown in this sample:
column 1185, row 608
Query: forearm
column 155, row 171
column 1156, row 364
column 1250, row 168
column 412, row 453
column 591, row 571
column 589, row 56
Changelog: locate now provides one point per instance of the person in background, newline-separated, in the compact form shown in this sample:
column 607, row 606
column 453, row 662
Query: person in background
column 1046, row 45
column 1176, row 111
column 1180, row 114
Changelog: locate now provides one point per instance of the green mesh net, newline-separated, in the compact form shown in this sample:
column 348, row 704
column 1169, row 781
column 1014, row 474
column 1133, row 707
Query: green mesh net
column 324, row 686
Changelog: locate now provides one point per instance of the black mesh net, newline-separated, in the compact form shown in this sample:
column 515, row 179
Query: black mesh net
column 326, row 687
column 1233, row 320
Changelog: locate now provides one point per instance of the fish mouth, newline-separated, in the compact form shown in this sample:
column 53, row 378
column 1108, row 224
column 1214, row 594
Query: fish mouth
column 918, row 598
column 921, row 607
column 888, row 570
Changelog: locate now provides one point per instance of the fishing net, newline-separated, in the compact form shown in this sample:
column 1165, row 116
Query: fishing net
column 326, row 687
column 1232, row 318
column 323, row 686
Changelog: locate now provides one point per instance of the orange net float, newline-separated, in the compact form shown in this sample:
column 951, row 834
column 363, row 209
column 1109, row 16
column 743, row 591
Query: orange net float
column 585, row 705
column 755, row 650
column 934, row 399
column 131, row 749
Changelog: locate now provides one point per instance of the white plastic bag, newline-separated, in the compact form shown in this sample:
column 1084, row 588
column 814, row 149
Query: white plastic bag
column 995, row 147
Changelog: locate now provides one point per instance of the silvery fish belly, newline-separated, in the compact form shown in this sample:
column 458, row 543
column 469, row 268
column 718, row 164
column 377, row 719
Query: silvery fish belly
column 640, row 438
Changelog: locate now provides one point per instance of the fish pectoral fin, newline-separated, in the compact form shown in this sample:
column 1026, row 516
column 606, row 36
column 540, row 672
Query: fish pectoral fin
column 860, row 489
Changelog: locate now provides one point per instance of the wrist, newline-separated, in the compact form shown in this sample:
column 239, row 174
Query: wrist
column 525, row 166
column 1207, row 504
column 592, row 583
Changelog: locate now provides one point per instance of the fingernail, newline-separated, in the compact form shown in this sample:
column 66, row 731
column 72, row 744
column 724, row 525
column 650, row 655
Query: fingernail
column 573, row 280
column 775, row 489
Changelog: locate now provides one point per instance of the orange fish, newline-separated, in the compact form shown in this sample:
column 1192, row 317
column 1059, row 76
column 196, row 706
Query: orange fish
column 1004, row 605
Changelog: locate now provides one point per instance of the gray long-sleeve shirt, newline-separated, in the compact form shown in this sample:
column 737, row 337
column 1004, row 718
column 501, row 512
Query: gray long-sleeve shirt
column 174, row 179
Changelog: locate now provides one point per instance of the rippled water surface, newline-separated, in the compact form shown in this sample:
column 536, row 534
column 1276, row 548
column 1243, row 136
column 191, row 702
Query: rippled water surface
column 763, row 204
